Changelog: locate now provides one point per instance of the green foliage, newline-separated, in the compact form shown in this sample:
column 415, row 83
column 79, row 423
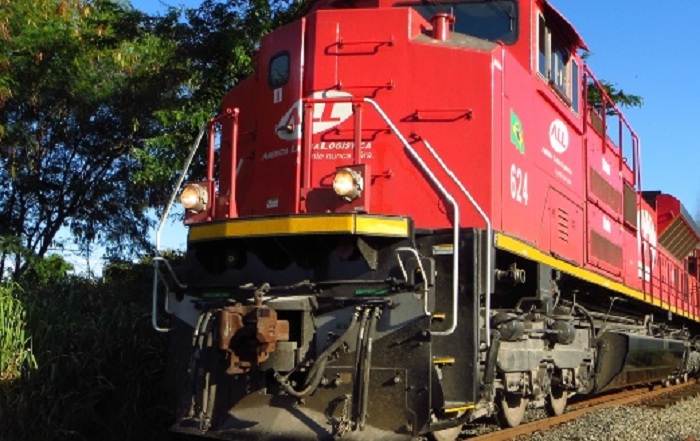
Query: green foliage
column 216, row 43
column 100, row 366
column 80, row 83
column 140, row 272
column 618, row 96
column 11, row 252
column 47, row 271
column 99, row 104
column 16, row 355
column 40, row 271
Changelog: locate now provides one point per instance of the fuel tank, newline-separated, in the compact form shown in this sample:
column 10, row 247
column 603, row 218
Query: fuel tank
column 629, row 359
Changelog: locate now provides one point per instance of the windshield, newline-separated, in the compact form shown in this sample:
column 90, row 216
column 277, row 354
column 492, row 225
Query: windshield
column 493, row 20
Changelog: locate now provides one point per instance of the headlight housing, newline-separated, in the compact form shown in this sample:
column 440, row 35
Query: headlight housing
column 348, row 184
column 194, row 198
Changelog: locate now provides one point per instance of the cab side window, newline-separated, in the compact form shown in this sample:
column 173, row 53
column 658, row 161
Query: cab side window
column 556, row 65
column 278, row 70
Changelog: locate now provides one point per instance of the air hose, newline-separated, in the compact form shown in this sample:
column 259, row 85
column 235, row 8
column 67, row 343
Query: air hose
column 316, row 372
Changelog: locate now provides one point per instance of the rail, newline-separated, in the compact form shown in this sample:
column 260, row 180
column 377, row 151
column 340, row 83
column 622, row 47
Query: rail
column 607, row 104
column 455, row 227
column 431, row 177
column 489, row 239
column 159, row 277
column 455, row 224
column 232, row 207
column 415, row 254
column 157, row 274
column 639, row 395
column 357, row 108
column 308, row 129
column 210, row 126
column 180, row 180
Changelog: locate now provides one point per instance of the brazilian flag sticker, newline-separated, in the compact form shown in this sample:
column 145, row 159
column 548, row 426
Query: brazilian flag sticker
column 516, row 132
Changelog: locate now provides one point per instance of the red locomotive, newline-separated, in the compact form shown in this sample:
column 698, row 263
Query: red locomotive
column 415, row 217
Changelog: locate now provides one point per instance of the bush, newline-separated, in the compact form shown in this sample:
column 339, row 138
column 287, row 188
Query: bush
column 15, row 350
column 99, row 366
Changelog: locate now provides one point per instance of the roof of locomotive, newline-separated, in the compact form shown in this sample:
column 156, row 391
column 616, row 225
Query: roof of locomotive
column 553, row 15
column 564, row 25
column 460, row 40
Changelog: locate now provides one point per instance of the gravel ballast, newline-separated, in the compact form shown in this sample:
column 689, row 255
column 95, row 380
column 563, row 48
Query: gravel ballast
column 679, row 422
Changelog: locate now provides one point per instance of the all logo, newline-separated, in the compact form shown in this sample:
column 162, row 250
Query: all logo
column 325, row 115
column 558, row 136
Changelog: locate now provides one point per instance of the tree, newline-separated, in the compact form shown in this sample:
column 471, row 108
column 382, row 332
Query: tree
column 98, row 104
column 80, row 82
column 217, row 42
column 618, row 96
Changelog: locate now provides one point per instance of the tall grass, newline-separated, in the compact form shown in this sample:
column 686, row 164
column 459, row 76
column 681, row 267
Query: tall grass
column 99, row 366
column 15, row 350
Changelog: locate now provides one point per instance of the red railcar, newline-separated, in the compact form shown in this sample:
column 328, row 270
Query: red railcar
column 423, row 214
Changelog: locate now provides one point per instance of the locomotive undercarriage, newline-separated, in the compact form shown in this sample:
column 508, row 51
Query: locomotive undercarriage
column 323, row 337
column 571, row 337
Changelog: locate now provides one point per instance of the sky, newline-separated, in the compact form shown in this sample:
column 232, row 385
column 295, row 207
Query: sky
column 646, row 48
column 642, row 47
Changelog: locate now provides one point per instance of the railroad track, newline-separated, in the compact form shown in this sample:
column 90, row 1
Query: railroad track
column 657, row 397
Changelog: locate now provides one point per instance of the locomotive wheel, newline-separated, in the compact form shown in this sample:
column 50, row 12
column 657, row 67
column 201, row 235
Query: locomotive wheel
column 450, row 434
column 511, row 409
column 555, row 403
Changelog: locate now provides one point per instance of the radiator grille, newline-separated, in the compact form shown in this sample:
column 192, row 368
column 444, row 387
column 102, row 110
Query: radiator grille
column 678, row 239
column 604, row 191
column 630, row 213
column 605, row 250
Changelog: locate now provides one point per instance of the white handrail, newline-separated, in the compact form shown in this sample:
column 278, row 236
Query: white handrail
column 154, row 306
column 434, row 180
column 413, row 251
column 489, row 235
column 180, row 180
column 157, row 276
column 455, row 223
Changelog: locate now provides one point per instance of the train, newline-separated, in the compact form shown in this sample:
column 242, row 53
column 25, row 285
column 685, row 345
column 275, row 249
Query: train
column 417, row 215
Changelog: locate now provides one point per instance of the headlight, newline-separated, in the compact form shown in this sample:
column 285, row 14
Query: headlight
column 194, row 198
column 347, row 184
